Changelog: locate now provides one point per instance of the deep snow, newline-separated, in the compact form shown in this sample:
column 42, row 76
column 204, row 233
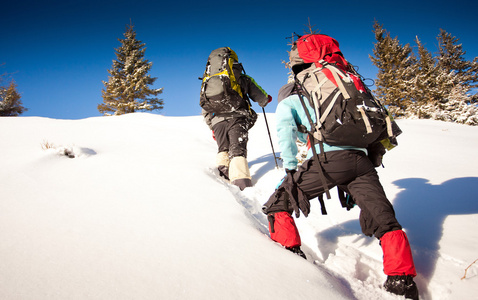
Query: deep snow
column 139, row 214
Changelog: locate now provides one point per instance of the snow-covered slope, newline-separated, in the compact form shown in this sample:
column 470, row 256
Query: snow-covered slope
column 139, row 214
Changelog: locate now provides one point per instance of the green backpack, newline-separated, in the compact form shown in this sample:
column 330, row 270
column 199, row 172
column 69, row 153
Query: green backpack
column 220, row 90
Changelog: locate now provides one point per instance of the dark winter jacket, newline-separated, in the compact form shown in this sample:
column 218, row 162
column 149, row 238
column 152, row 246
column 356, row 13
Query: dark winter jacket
column 253, row 90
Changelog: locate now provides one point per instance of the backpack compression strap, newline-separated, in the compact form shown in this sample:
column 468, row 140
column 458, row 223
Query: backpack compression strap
column 335, row 73
column 312, row 140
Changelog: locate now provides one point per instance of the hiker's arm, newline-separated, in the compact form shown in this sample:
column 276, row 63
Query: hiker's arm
column 287, row 133
column 255, row 91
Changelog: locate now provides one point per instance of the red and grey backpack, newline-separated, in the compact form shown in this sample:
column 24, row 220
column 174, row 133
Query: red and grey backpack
column 347, row 114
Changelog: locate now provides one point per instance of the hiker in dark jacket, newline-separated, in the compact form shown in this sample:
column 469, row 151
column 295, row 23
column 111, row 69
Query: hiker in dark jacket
column 230, row 130
column 350, row 169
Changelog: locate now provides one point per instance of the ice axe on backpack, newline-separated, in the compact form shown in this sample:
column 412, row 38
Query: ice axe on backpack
column 270, row 139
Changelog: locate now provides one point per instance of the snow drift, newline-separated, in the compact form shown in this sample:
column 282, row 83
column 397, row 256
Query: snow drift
column 129, row 207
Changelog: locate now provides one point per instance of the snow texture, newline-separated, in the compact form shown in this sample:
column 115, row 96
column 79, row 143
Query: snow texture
column 139, row 213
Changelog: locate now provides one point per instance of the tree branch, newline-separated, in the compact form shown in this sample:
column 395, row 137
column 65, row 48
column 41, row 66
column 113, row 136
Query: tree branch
column 464, row 276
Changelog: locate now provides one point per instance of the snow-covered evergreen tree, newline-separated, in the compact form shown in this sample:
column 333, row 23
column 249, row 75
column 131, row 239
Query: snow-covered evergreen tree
column 451, row 58
column 128, row 87
column 424, row 86
column 453, row 108
column 10, row 101
column 394, row 63
column 431, row 83
column 443, row 83
column 456, row 107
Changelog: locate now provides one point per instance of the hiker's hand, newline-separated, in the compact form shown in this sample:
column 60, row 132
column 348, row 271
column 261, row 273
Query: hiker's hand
column 269, row 99
column 213, row 135
column 282, row 180
column 287, row 173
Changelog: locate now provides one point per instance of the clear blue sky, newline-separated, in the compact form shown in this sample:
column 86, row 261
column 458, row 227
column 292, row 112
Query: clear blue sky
column 58, row 52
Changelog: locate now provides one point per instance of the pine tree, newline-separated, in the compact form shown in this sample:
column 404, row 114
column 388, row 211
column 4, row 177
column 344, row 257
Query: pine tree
column 10, row 103
column 457, row 79
column 394, row 63
column 424, row 86
column 451, row 58
column 127, row 89
column 451, row 109
column 431, row 82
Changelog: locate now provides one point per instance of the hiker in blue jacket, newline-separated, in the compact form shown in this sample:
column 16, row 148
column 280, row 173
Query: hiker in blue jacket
column 352, row 171
column 325, row 85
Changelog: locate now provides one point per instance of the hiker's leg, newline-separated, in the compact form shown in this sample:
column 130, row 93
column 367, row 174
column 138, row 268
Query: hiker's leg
column 377, row 217
column 222, row 163
column 239, row 173
column 281, row 224
column 284, row 230
column 222, row 140
column 238, row 137
column 339, row 169
column 278, row 208
column 222, row 137
column 397, row 254
column 398, row 265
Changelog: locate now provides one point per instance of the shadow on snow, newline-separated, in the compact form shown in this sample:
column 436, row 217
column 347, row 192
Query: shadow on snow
column 421, row 208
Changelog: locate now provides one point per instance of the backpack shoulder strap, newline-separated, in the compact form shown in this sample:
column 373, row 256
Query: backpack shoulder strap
column 312, row 144
column 335, row 73
column 316, row 100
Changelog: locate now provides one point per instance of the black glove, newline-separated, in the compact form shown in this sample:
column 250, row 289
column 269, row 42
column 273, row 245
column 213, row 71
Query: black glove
column 294, row 196
column 297, row 198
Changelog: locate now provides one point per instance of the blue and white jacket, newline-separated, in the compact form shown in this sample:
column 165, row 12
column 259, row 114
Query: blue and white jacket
column 289, row 116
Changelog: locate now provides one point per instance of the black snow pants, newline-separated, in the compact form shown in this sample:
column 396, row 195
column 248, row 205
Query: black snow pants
column 353, row 172
column 232, row 136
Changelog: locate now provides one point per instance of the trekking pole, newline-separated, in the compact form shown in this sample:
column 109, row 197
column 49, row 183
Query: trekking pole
column 270, row 138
